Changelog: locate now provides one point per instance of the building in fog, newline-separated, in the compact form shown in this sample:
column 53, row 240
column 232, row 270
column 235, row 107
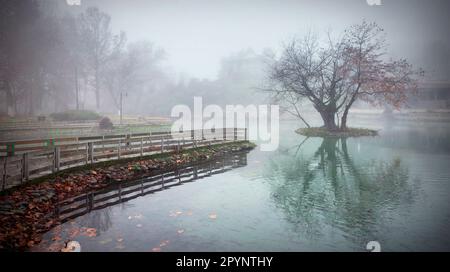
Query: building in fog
column 432, row 94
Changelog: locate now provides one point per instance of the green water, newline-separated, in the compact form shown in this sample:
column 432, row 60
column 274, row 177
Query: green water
column 310, row 195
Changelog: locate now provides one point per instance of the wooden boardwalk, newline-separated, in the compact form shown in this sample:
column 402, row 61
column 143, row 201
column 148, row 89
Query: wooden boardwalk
column 22, row 161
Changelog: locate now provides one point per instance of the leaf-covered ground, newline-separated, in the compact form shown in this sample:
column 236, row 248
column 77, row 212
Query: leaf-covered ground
column 29, row 211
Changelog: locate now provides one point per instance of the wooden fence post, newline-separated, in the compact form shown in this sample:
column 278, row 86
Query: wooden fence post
column 90, row 199
column 118, row 149
column 142, row 147
column 5, row 164
column 245, row 134
column 91, row 151
column 25, row 167
column 195, row 172
column 235, row 134
column 56, row 158
column 224, row 134
column 87, row 153
column 162, row 144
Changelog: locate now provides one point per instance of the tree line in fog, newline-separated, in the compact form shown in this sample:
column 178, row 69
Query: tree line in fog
column 55, row 58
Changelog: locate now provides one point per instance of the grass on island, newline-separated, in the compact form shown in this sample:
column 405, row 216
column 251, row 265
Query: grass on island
column 349, row 132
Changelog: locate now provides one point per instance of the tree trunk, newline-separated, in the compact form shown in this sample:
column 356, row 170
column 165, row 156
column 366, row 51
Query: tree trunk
column 77, row 90
column 97, row 95
column 344, row 119
column 345, row 114
column 328, row 119
column 346, row 110
column 30, row 99
column 11, row 105
column 97, row 86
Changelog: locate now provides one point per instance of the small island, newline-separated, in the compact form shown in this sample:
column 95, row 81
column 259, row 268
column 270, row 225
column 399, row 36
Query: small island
column 332, row 74
column 348, row 132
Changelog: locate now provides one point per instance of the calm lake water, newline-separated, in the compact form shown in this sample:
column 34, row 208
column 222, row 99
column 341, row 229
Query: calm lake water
column 311, row 195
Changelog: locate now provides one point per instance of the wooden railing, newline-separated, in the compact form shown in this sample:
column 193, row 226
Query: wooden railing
column 122, row 192
column 25, row 160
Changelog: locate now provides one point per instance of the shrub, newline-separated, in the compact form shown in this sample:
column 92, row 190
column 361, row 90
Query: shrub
column 105, row 123
column 75, row 115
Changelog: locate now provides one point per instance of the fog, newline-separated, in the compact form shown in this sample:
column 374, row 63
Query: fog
column 197, row 34
column 161, row 53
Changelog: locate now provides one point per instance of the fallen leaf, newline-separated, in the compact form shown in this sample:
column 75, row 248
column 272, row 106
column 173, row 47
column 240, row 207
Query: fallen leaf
column 91, row 232
column 213, row 216
column 164, row 243
column 73, row 232
column 105, row 241
column 56, row 246
column 180, row 231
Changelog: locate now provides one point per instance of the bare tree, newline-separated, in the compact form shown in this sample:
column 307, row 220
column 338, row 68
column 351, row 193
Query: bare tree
column 132, row 71
column 333, row 74
column 26, row 37
column 99, row 44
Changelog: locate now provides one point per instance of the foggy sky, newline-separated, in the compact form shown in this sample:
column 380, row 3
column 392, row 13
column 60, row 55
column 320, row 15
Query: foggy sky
column 196, row 34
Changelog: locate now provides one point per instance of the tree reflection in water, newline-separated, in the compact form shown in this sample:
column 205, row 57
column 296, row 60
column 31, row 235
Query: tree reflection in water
column 98, row 219
column 101, row 219
column 332, row 190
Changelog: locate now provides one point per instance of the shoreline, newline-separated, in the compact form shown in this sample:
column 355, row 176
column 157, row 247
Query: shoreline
column 27, row 211
column 349, row 132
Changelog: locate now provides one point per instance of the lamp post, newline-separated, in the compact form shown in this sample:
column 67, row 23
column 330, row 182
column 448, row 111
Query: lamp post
column 121, row 106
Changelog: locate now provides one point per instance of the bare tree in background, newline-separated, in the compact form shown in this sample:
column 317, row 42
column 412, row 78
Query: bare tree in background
column 334, row 74
column 27, row 36
column 132, row 70
column 99, row 44
column 50, row 59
